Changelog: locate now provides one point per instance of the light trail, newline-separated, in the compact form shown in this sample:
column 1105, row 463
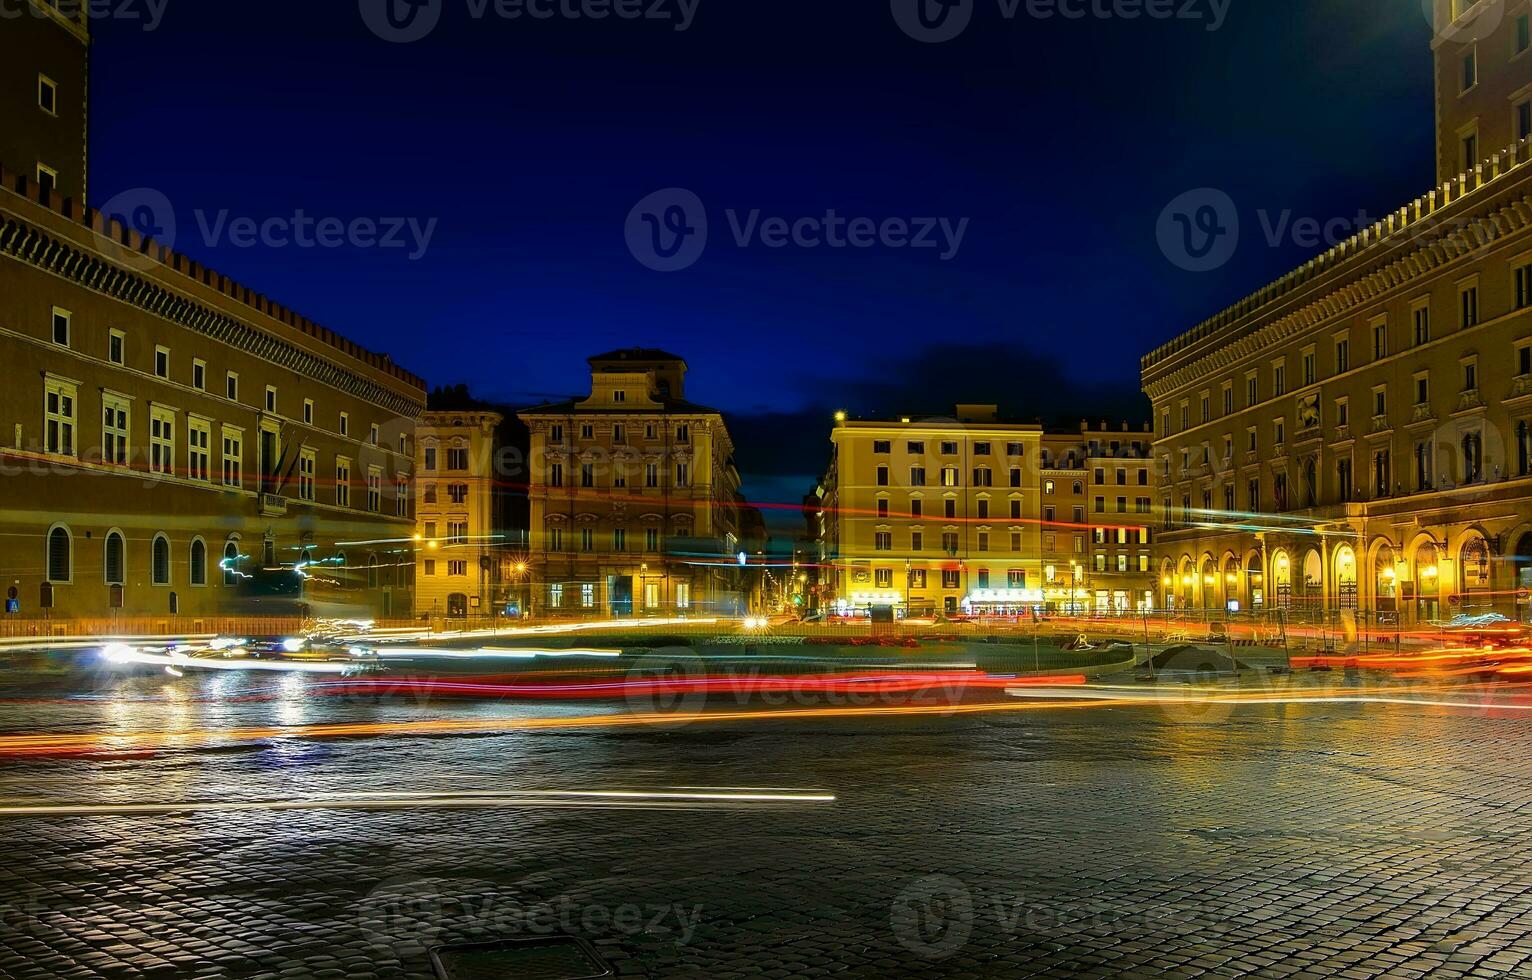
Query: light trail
column 674, row 799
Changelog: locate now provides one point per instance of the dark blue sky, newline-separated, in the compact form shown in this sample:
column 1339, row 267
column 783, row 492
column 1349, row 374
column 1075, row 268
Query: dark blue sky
column 529, row 142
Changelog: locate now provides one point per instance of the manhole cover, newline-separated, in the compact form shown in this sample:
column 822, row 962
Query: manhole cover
column 552, row 958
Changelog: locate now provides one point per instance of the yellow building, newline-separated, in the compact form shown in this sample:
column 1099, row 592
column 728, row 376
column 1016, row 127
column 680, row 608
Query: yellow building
column 469, row 562
column 174, row 443
column 1098, row 499
column 634, row 497
column 1356, row 434
column 928, row 516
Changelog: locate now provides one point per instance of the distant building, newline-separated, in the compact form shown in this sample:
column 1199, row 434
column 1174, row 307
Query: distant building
column 634, row 497
column 1357, row 436
column 927, row 516
column 463, row 537
column 1098, row 499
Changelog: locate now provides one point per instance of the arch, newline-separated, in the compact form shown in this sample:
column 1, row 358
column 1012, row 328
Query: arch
column 1207, row 581
column 1255, row 580
column 1233, row 581
column 159, row 560
column 114, row 565
column 1186, row 581
column 1346, row 578
column 1474, row 567
column 230, row 562
column 196, row 563
column 1282, row 578
column 1311, row 579
column 457, row 605
column 1385, row 576
column 1425, row 567
column 372, row 570
column 59, row 560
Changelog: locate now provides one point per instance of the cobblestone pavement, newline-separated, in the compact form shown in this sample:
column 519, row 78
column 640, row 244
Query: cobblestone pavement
column 1315, row 841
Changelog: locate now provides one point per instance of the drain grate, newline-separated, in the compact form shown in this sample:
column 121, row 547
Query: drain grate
column 550, row 958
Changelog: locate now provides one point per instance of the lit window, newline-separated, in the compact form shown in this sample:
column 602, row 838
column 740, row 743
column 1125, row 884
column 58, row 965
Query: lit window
column 162, row 440
column 199, row 437
column 233, row 458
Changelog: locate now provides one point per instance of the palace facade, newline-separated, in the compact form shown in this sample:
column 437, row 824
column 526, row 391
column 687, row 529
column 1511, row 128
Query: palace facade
column 1355, row 436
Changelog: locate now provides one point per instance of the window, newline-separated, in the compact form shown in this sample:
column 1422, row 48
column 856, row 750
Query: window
column 60, row 556
column 1524, row 360
column 1252, row 389
column 1469, row 304
column 401, row 496
column 1422, row 389
column 1228, row 399
column 1278, row 379
column 430, row 459
column 683, row 595
column 981, row 449
column 306, row 475
column 1470, row 69
column 308, row 411
column 162, row 440
column 619, row 433
column 199, row 439
column 917, row 540
column 916, row 506
column 683, row 434
column 883, row 578
column 457, row 459
column 587, row 476
column 880, row 446
column 457, row 533
column 1524, row 286
column 47, row 178
column 983, row 510
column 1279, row 432
column 345, row 423
column 917, row 476
column 1381, row 471
column 62, row 320
column 230, row 563
column 159, row 561
column 620, row 540
column 555, row 539
column 234, row 459
column 162, row 362
column 949, row 476
column 983, row 477
column 1523, row 113
column 683, row 475
column 47, row 95
column 199, row 375
column 1379, row 339
column 1469, row 150
column 556, row 434
column 883, row 541
column 1471, row 375
column 458, row 492
column 116, row 346
column 115, row 565
column 342, row 483
column 952, row 578
column 457, row 568
column 556, row 595
column 1422, row 319
column 197, row 563
column 1379, row 402
column 917, row 578
column 1309, row 375
column 587, row 539
column 374, row 490
column 1523, row 33
column 231, row 387
column 1014, row 449
column 619, row 396
column 916, row 448
column 1342, row 412
column 950, row 542
column 1015, row 510
column 882, row 476
column 114, row 429
column 1048, row 487
column 1016, row 477
column 587, row 432
column 950, row 508
column 883, row 507
column 949, row 449
column 652, row 539
column 651, row 475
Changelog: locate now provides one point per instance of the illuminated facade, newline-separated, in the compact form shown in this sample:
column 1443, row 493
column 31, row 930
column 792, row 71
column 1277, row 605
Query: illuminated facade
column 465, row 565
column 1355, row 436
column 1098, row 499
column 173, row 442
column 933, row 516
column 634, row 498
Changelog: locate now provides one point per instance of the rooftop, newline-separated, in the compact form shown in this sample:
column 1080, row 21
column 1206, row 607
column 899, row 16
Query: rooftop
column 640, row 354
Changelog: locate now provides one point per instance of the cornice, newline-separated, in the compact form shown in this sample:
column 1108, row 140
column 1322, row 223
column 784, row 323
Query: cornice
column 31, row 246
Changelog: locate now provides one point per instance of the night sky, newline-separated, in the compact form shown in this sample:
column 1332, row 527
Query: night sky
column 529, row 142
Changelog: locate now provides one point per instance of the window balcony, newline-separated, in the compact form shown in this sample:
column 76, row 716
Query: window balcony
column 1470, row 400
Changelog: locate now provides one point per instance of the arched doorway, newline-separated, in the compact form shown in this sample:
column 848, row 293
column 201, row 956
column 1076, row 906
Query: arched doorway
column 1282, row 579
column 457, row 605
column 1312, row 584
column 1346, row 578
column 1231, row 584
column 1385, row 580
column 1210, row 583
column 1474, row 565
column 1167, row 585
column 1188, row 583
column 1428, row 586
column 1255, row 582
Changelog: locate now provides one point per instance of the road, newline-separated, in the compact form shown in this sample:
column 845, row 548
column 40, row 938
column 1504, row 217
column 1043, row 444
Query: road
column 1108, row 840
